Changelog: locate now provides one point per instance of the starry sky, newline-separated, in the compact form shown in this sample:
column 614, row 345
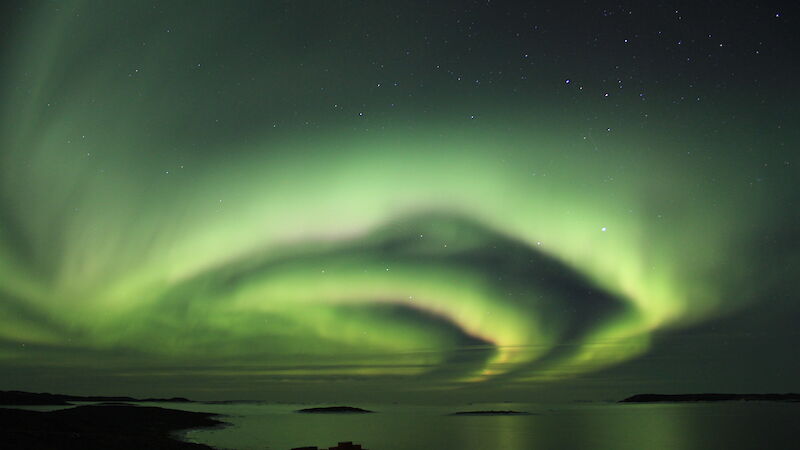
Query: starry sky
column 438, row 200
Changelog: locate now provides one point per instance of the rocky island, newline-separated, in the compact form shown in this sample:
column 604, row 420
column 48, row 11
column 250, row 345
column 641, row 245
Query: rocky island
column 341, row 446
column 334, row 410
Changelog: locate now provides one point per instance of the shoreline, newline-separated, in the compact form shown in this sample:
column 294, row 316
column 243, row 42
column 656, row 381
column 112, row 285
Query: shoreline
column 121, row 427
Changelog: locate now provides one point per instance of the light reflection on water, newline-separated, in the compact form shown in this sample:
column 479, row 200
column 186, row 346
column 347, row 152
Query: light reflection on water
column 728, row 426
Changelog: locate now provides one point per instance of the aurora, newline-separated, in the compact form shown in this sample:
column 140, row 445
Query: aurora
column 218, row 194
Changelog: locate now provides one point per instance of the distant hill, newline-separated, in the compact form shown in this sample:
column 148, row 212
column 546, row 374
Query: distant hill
column 30, row 398
column 681, row 398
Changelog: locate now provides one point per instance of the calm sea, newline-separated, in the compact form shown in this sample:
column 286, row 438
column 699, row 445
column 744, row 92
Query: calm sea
column 725, row 426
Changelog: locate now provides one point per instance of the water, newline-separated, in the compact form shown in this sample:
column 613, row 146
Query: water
column 728, row 426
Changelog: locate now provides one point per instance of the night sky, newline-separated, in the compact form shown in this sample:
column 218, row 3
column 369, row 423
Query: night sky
column 399, row 200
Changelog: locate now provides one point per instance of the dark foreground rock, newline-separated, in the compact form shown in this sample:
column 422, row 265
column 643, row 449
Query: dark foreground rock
column 490, row 413
column 44, row 398
column 334, row 410
column 100, row 427
column 677, row 398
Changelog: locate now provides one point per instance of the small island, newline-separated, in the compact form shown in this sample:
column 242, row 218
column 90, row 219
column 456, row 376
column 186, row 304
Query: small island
column 491, row 413
column 334, row 410
column 341, row 446
column 684, row 398
column 121, row 427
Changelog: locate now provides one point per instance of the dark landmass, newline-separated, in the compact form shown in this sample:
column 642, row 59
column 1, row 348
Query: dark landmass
column 677, row 398
column 334, row 410
column 95, row 427
column 491, row 413
column 31, row 398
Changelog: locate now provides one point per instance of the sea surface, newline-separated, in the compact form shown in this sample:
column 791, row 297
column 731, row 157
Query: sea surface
column 578, row 426
column 602, row 426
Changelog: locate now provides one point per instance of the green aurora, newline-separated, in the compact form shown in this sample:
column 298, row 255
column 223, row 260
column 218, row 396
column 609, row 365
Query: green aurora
column 220, row 195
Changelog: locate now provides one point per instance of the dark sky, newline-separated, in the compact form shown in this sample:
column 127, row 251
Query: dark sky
column 419, row 201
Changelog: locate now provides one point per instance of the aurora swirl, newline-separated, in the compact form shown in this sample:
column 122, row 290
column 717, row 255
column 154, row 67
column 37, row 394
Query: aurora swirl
column 176, row 185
